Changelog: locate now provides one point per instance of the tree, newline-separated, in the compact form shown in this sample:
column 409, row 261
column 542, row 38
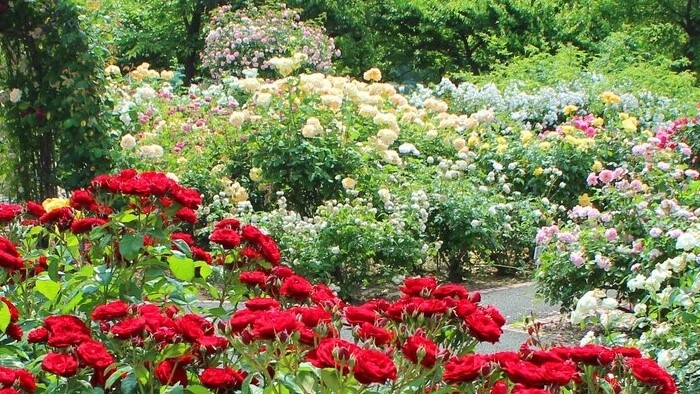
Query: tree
column 53, row 119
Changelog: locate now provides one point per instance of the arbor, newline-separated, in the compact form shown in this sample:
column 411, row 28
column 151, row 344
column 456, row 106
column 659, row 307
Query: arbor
column 53, row 118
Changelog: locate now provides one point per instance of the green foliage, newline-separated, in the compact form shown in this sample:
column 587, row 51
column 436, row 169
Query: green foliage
column 56, row 127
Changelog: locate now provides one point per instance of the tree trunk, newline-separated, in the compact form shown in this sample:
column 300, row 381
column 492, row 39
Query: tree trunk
column 194, row 28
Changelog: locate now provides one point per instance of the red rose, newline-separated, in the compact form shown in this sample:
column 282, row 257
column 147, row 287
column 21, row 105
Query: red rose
column 187, row 215
column 94, row 354
column 333, row 353
column 84, row 225
column 26, row 380
column 62, row 217
column 418, row 348
column 66, row 330
column 356, row 315
column 14, row 313
column 171, row 372
column 8, row 247
column 193, row 326
column 10, row 262
column 242, row 319
column 372, row 366
column 534, row 375
column 38, row 335
column 483, row 327
column 251, row 233
column 275, row 324
column 324, row 297
column 465, row 308
column 189, row 198
column 296, row 287
column 465, row 369
column 129, row 328
column 9, row 212
column 212, row 343
column 419, row 286
column 82, row 199
column 14, row 331
column 35, row 209
column 110, row 311
column 500, row 387
column 269, row 250
column 186, row 238
column 313, row 316
column 650, row 373
column 232, row 224
column 450, row 291
column 60, row 364
column 253, row 278
column 221, row 378
column 262, row 304
column 379, row 335
column 200, row 254
column 227, row 238
column 432, row 307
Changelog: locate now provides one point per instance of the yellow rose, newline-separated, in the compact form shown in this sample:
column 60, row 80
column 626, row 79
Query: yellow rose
column 597, row 166
column 255, row 174
column 473, row 140
column 570, row 109
column 598, row 122
column 610, row 97
column 526, row 136
column 584, row 200
column 567, row 129
column 538, row 171
column 373, row 74
column 630, row 124
column 545, row 145
column 54, row 203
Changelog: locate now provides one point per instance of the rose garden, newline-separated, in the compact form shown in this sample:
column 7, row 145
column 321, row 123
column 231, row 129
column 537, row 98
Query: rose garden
column 159, row 235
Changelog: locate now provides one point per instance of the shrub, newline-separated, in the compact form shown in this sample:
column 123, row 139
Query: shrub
column 250, row 38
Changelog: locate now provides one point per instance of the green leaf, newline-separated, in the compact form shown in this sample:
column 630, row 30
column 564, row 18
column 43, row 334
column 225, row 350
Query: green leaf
column 129, row 383
column 173, row 350
column 4, row 316
column 204, row 269
column 182, row 246
column 287, row 381
column 47, row 287
column 181, row 267
column 130, row 245
column 195, row 389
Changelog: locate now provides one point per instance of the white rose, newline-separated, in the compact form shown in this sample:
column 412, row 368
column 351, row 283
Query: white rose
column 15, row 95
column 128, row 142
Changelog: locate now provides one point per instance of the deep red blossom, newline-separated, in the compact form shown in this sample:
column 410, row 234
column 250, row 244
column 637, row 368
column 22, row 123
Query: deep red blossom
column 61, row 217
column 184, row 237
column 221, row 378
column 483, row 327
column 357, row 315
column 450, row 290
column 129, row 328
column 60, row 364
column 35, row 209
column 38, row 335
column 227, row 238
column 110, row 311
column 379, row 335
column 418, row 348
column 171, row 372
column 233, row 224
column 373, row 366
column 465, row 369
column 333, row 353
column 14, row 331
column 200, row 254
column 94, row 354
column 187, row 215
column 83, row 199
column 212, row 343
column 419, row 286
column 9, row 212
column 650, row 373
column 313, row 316
column 530, row 374
column 253, row 278
column 10, row 262
column 66, row 330
column 14, row 313
column 296, row 287
column 81, row 226
column 275, row 325
column 189, row 198
column 262, row 304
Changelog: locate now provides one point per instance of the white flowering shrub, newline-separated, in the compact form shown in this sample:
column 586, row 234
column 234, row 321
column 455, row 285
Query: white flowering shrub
column 264, row 39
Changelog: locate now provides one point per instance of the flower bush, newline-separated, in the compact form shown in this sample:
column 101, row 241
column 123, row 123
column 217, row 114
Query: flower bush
column 258, row 38
column 101, row 292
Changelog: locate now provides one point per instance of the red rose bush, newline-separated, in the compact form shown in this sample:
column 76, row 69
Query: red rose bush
column 102, row 292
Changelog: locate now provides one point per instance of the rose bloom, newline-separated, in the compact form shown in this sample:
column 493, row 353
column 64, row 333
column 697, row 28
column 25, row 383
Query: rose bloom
column 373, row 75
column 110, row 311
column 373, row 366
column 171, row 372
column 221, row 378
column 296, row 287
column 418, row 348
column 128, row 142
column 94, row 354
column 418, row 286
column 60, row 364
column 333, row 353
column 380, row 335
column 465, row 369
